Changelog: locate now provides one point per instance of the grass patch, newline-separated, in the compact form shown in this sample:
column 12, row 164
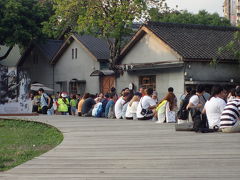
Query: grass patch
column 21, row 141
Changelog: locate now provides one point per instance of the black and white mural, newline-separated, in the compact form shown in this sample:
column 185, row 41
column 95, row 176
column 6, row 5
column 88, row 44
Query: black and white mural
column 14, row 91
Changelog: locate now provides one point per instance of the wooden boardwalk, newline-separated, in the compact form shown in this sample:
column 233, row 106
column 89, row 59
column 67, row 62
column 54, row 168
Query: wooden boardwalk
column 110, row 149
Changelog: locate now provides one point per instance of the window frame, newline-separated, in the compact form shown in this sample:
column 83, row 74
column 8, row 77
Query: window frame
column 150, row 84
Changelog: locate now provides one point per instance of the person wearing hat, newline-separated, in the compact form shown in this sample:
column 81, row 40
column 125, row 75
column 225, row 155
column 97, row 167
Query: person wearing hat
column 45, row 101
column 63, row 104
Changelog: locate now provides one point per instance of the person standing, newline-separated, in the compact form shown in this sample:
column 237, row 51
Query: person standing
column 170, row 91
column 63, row 104
column 73, row 105
column 45, row 101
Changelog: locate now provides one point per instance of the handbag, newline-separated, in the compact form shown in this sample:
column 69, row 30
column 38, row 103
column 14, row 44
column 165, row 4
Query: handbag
column 144, row 112
column 170, row 115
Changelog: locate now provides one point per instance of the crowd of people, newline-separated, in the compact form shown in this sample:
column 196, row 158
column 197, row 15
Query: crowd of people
column 217, row 111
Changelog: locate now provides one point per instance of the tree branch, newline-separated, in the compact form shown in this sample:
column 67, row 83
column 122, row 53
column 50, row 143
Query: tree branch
column 6, row 54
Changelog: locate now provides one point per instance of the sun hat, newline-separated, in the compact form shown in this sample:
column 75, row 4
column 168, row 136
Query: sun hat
column 64, row 95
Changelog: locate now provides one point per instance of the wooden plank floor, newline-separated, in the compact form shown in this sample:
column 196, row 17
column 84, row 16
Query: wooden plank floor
column 110, row 149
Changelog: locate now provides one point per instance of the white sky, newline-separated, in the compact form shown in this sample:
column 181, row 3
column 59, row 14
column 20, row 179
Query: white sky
column 194, row 6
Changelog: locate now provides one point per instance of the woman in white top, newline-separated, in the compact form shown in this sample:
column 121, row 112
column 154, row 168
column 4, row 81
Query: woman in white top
column 131, row 112
column 214, row 107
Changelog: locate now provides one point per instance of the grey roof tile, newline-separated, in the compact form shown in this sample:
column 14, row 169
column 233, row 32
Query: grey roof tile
column 98, row 47
column 50, row 47
column 194, row 41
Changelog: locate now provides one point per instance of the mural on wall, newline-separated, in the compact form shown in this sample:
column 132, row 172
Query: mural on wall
column 14, row 91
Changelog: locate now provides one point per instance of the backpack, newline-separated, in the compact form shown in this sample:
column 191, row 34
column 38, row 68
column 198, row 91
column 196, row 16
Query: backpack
column 183, row 112
column 51, row 101
column 200, row 122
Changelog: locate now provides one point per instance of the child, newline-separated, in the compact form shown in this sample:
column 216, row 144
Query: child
column 73, row 105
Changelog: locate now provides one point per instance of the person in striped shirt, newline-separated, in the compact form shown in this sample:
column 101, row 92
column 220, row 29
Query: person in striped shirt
column 229, row 121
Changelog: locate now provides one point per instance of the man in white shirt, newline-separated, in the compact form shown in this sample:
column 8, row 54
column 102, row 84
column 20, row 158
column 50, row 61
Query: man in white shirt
column 146, row 103
column 194, row 101
column 196, row 106
column 214, row 107
column 119, row 105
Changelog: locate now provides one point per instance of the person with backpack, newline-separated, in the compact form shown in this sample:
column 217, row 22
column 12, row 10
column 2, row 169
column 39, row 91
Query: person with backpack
column 195, row 106
column 45, row 101
column 182, row 114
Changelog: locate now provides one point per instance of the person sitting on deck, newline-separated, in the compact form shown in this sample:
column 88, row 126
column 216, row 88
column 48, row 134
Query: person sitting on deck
column 229, row 121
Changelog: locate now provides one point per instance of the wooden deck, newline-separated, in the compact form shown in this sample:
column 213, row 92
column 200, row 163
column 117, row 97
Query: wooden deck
column 110, row 149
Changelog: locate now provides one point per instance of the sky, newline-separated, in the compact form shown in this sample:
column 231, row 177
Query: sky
column 194, row 6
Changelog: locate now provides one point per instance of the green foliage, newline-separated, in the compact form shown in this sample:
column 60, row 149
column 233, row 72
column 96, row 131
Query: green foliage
column 65, row 17
column 21, row 141
column 108, row 19
column 232, row 47
column 21, row 20
column 203, row 17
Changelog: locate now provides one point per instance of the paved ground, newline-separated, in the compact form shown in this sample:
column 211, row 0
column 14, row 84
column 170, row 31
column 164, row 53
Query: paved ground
column 110, row 149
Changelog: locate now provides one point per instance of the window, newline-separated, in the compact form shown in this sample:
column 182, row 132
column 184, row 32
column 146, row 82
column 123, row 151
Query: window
column 62, row 86
column 73, row 87
column 77, row 87
column 75, row 53
column 103, row 65
column 147, row 82
column 72, row 53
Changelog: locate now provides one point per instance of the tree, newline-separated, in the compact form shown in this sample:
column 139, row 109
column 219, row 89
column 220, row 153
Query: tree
column 233, row 47
column 21, row 21
column 202, row 17
column 108, row 19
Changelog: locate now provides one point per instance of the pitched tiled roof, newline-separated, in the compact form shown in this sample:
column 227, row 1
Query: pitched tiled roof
column 49, row 47
column 98, row 47
column 194, row 41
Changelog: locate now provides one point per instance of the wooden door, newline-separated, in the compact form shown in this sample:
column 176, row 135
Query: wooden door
column 107, row 83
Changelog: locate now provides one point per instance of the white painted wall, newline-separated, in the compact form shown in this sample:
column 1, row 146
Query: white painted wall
column 165, row 78
column 170, row 78
column 67, row 68
column 148, row 50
